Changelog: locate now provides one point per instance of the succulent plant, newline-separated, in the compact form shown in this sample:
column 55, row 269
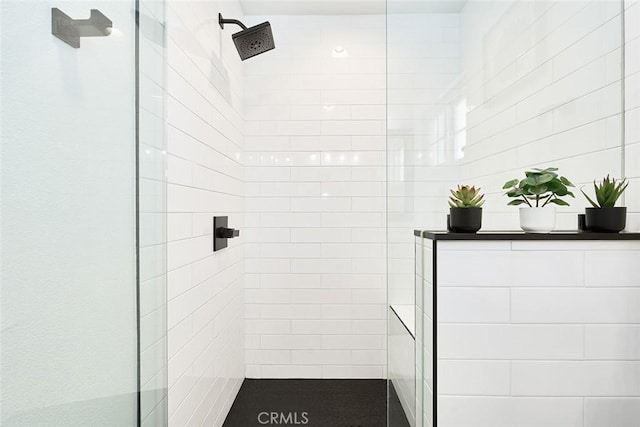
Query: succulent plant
column 539, row 188
column 466, row 197
column 607, row 192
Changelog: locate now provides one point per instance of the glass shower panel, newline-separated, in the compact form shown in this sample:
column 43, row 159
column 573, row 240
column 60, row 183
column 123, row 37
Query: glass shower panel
column 480, row 91
column 74, row 212
column 152, row 213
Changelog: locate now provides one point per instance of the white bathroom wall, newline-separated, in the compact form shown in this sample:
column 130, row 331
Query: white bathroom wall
column 68, row 273
column 315, row 225
column 541, row 82
column 632, row 103
column 205, row 178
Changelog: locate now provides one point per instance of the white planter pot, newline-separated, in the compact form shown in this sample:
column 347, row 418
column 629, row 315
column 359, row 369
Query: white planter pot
column 538, row 220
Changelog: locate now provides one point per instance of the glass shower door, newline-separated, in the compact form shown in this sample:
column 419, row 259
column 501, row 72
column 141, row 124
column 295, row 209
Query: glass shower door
column 69, row 216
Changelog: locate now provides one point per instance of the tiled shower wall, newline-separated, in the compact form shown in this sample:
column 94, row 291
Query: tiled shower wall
column 205, row 178
column 548, row 94
column 521, row 84
column 315, row 222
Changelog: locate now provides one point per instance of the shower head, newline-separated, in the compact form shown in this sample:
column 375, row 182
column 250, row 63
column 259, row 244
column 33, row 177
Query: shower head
column 250, row 41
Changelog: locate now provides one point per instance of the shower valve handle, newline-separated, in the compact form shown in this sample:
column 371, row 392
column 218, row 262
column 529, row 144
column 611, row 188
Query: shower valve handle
column 227, row 233
column 222, row 232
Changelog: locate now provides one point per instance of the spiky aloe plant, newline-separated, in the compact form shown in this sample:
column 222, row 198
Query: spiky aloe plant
column 466, row 197
column 607, row 192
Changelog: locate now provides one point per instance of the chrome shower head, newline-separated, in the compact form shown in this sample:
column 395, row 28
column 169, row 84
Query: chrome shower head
column 250, row 41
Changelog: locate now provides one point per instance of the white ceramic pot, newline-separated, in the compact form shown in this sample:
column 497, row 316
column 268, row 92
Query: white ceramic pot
column 538, row 220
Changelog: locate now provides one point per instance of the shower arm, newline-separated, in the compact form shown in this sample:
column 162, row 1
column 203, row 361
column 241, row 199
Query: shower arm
column 223, row 21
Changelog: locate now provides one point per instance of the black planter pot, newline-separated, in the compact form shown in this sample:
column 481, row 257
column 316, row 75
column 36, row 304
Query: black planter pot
column 465, row 220
column 606, row 220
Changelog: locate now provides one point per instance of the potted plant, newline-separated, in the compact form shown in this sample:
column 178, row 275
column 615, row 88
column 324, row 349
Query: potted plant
column 604, row 216
column 465, row 213
column 539, row 188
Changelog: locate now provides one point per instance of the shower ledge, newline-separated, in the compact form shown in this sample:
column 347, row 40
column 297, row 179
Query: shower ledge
column 521, row 235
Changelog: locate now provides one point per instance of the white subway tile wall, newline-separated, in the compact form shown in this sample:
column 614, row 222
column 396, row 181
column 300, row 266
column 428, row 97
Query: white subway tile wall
column 315, row 199
column 549, row 94
column 205, row 178
column 571, row 348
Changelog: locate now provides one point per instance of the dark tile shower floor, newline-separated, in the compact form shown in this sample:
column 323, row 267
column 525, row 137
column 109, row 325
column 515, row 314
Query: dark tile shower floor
column 321, row 403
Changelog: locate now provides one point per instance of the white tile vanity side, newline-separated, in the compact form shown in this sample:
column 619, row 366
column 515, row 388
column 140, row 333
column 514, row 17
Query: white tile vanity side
column 571, row 348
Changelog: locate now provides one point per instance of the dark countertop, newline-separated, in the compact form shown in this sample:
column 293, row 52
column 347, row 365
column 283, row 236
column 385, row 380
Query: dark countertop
column 521, row 235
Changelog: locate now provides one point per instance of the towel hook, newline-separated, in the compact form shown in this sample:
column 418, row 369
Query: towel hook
column 70, row 30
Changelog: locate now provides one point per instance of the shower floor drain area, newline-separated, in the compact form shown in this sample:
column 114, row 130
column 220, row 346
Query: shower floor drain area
column 314, row 403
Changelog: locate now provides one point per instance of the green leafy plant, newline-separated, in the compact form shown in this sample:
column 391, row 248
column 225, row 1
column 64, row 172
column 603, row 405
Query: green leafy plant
column 607, row 192
column 466, row 197
column 539, row 188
